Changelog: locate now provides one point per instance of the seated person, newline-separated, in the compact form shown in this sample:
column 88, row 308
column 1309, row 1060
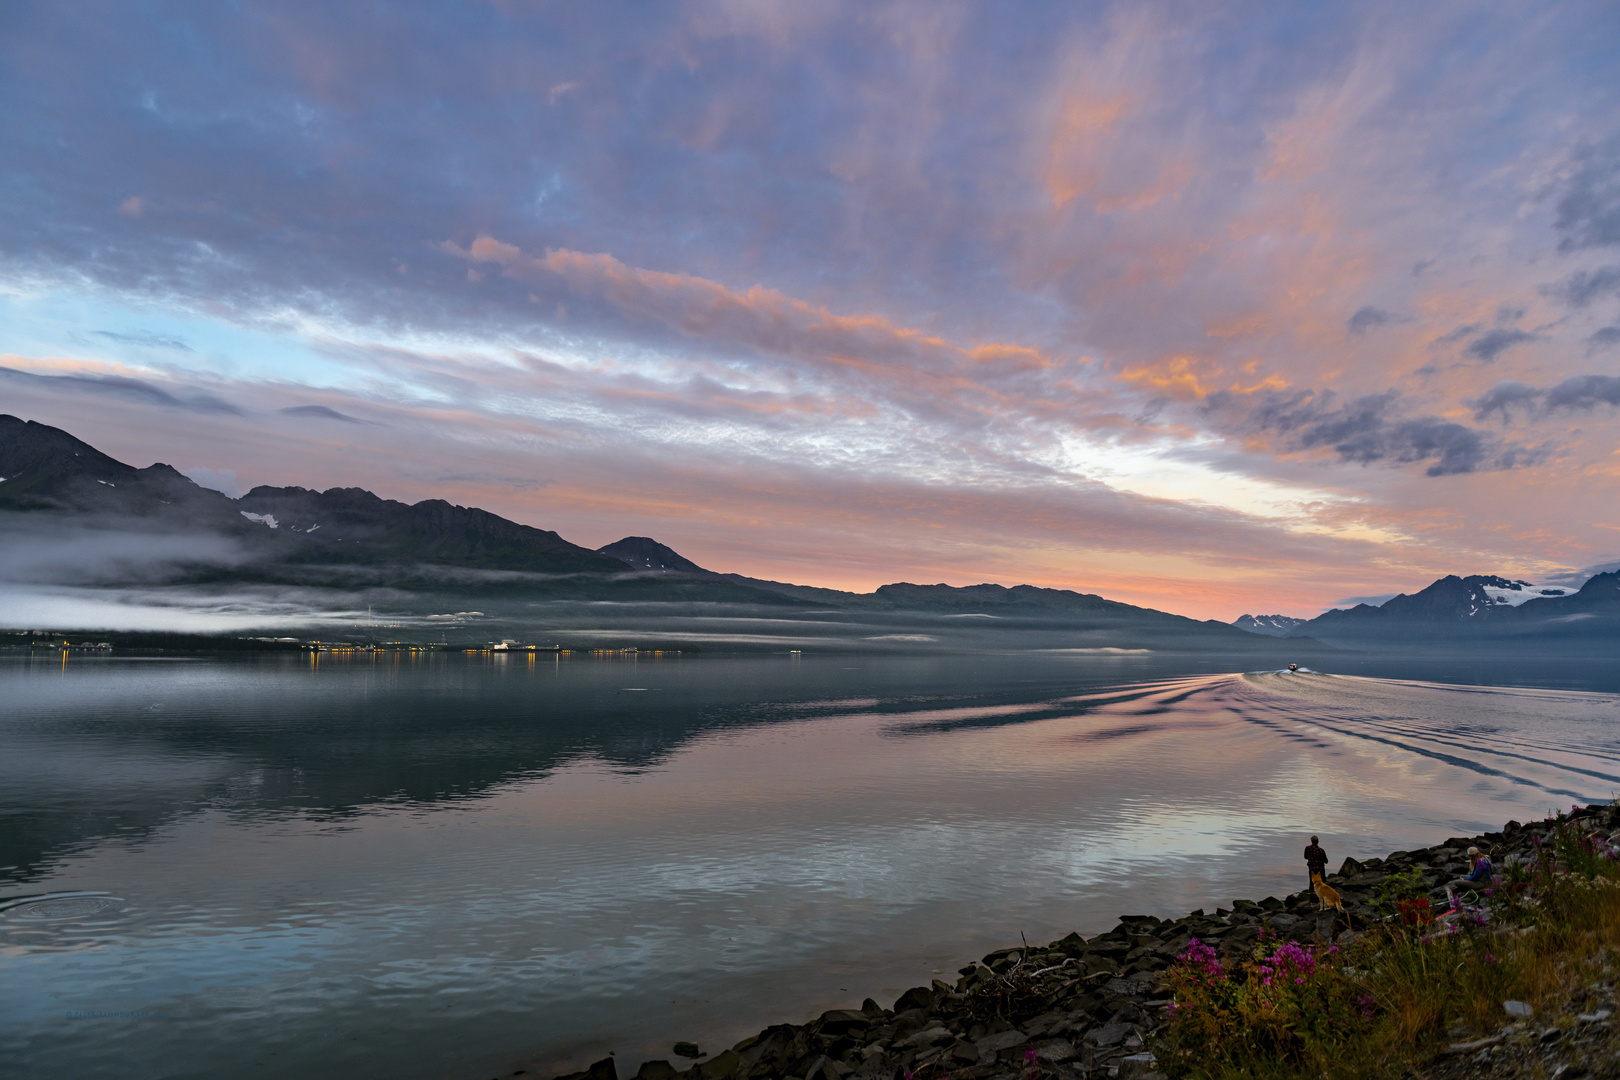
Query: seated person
column 1479, row 876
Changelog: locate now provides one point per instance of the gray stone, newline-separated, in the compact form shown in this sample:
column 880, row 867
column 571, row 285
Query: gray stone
column 1135, row 1064
column 1518, row 1008
column 1594, row 1017
column 1476, row 1044
column 930, row 1035
column 1109, row 1034
column 1001, row 1040
column 1056, row 1051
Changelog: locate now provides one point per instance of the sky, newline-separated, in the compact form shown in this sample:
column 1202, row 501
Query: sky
column 1214, row 307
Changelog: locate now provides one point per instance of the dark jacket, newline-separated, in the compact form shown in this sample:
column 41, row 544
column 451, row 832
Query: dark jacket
column 1315, row 857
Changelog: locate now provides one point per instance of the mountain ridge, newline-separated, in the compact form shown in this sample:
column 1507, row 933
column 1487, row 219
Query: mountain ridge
column 349, row 537
column 1466, row 609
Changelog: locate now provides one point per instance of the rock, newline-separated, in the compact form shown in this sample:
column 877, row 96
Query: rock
column 724, row 1064
column 928, row 1036
column 1518, row 1009
column 655, row 1070
column 918, row 997
column 687, row 1050
column 1135, row 1064
column 1476, row 1044
column 1109, row 1034
column 1001, row 1040
column 606, row 1069
column 1056, row 1051
column 841, row 1021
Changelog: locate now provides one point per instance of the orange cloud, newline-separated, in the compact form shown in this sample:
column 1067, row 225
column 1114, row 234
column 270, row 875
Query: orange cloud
column 1184, row 377
column 761, row 318
column 1090, row 156
column 1079, row 140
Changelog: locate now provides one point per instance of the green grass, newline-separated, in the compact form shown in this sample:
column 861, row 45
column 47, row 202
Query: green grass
column 1402, row 993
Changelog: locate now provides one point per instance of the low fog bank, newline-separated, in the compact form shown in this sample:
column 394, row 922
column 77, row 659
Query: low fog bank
column 87, row 551
column 379, row 615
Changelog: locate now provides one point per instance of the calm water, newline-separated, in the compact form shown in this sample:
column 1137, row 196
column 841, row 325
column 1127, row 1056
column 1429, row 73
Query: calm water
column 438, row 868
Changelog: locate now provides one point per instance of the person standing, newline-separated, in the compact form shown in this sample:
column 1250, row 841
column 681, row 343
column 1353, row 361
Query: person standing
column 1315, row 860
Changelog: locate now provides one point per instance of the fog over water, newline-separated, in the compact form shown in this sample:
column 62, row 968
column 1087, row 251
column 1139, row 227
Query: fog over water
column 439, row 867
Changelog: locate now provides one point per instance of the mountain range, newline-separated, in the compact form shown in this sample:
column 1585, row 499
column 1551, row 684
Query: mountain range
column 52, row 483
column 1478, row 608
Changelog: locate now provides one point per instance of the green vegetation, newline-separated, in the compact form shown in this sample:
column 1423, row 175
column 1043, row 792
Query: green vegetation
column 1411, row 985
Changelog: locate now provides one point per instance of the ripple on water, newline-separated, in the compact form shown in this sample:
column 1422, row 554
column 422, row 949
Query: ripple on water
column 58, row 907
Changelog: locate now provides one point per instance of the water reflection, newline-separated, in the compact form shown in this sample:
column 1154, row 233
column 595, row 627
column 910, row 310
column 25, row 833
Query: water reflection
column 384, row 868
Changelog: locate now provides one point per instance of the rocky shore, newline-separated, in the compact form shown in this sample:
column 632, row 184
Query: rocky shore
column 1091, row 1007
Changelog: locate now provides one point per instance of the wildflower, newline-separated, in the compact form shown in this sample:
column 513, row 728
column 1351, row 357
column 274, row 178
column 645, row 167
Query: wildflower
column 1490, row 958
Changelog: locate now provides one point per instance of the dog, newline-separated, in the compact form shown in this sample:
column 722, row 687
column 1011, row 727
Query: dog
column 1329, row 897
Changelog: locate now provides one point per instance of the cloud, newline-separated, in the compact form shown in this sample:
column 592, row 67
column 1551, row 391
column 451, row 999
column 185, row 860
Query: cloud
column 146, row 340
column 1588, row 212
column 1583, row 392
column 1576, row 578
column 1584, row 286
column 1493, row 343
column 776, row 261
column 42, row 549
column 122, row 387
column 222, row 480
column 1603, row 338
column 1370, row 429
column 318, row 412
column 1366, row 319
column 1375, row 600
column 1504, row 395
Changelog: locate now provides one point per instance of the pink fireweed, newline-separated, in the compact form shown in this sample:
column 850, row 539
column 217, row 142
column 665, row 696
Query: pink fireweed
column 1202, row 959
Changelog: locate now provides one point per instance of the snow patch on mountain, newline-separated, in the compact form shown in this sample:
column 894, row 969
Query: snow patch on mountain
column 262, row 519
column 1513, row 593
column 1269, row 625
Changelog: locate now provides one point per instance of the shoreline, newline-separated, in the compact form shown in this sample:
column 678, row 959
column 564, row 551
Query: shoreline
column 1076, row 1008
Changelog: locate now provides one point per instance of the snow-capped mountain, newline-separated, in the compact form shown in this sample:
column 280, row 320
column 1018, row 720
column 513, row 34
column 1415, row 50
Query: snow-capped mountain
column 1514, row 593
column 1478, row 607
column 1269, row 625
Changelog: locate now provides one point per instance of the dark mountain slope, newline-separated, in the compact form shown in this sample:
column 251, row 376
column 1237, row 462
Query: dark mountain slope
column 1267, row 625
column 645, row 553
column 1459, row 610
column 46, row 469
column 351, row 525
